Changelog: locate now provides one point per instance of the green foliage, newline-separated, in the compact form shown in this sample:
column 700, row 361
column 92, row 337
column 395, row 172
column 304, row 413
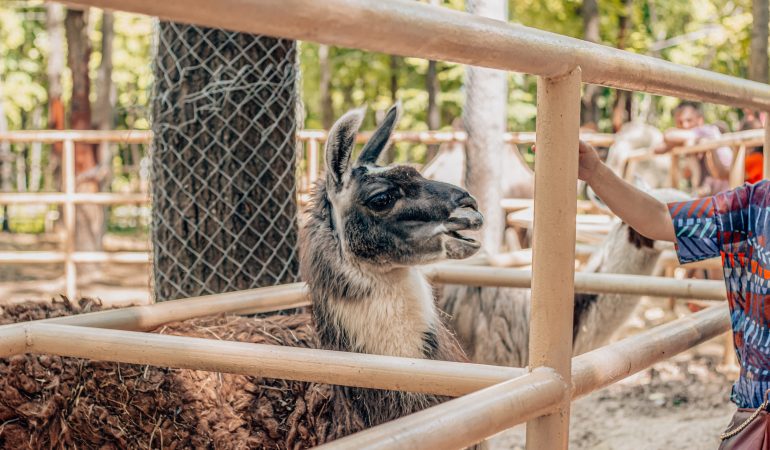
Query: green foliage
column 22, row 66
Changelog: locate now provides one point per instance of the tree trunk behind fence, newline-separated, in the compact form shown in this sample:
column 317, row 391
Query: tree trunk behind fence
column 484, row 119
column 224, row 209
column 89, row 219
column 589, row 113
column 758, row 61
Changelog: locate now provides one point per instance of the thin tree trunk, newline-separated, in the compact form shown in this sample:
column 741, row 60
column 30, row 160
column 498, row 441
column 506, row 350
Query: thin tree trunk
column 590, row 110
column 105, row 107
column 395, row 63
column 6, row 160
column 484, row 119
column 89, row 218
column 758, row 60
column 21, row 171
column 105, row 95
column 434, row 111
column 621, row 111
column 224, row 212
column 36, row 155
column 54, row 25
column 327, row 109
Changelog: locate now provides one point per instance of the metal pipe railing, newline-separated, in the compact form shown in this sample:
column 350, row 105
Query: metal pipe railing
column 262, row 360
column 597, row 283
column 464, row 421
column 553, row 246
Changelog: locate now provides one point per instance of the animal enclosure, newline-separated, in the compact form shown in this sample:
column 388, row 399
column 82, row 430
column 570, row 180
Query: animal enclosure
column 490, row 399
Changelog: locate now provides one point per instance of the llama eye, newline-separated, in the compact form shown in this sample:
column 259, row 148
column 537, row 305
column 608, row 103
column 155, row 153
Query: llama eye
column 381, row 202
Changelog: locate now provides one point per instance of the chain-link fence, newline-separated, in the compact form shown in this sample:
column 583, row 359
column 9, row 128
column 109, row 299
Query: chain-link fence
column 224, row 122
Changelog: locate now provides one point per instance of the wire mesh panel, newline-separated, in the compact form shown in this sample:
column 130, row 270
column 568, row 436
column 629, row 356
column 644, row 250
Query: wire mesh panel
column 224, row 161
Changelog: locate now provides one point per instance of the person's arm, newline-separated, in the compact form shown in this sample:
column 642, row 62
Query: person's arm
column 639, row 210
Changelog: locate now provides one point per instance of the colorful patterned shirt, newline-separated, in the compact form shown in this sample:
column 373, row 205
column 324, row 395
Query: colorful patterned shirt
column 736, row 226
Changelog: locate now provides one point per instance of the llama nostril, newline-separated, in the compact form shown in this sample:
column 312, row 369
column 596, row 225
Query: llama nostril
column 467, row 201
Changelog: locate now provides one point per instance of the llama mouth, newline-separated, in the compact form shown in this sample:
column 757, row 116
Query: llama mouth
column 455, row 235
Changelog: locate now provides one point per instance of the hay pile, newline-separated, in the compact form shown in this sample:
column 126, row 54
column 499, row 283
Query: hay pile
column 55, row 402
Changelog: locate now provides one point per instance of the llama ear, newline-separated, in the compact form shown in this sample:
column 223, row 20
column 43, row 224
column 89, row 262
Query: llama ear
column 380, row 138
column 340, row 144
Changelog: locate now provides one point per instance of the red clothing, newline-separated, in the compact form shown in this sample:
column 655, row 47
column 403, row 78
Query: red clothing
column 754, row 163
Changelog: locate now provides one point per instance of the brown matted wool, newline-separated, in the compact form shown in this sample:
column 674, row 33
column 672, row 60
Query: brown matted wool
column 56, row 402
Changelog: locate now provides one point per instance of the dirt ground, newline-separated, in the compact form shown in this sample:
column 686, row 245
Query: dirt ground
column 114, row 284
column 681, row 403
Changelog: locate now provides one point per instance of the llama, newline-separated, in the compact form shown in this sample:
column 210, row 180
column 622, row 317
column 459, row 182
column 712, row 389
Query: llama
column 493, row 323
column 368, row 228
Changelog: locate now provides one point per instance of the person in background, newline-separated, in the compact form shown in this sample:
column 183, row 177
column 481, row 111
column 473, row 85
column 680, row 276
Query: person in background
column 733, row 224
column 709, row 171
column 754, row 157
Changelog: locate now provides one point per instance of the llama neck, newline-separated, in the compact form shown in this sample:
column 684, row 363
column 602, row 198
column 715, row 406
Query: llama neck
column 397, row 318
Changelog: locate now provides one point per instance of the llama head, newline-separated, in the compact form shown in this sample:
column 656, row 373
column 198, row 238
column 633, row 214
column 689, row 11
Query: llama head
column 392, row 216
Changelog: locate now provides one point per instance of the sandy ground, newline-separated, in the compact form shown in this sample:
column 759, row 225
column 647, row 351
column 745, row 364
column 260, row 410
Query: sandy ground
column 677, row 404
column 681, row 403
column 114, row 284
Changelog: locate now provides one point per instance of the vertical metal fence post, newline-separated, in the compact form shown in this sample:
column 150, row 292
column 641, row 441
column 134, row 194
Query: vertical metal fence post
column 312, row 161
column 70, row 273
column 553, row 272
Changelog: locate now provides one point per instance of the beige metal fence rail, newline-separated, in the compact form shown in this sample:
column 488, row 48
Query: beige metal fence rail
column 542, row 396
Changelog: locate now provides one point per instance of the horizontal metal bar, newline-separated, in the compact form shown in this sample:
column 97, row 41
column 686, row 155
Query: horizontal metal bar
column 747, row 137
column 606, row 365
column 409, row 28
column 45, row 257
column 91, row 136
column 464, row 421
column 13, row 339
column 600, row 283
column 148, row 317
column 271, row 361
column 145, row 136
column 442, row 137
column 101, row 198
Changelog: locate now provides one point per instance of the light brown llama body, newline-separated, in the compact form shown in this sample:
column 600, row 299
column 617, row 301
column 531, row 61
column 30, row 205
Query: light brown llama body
column 368, row 229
